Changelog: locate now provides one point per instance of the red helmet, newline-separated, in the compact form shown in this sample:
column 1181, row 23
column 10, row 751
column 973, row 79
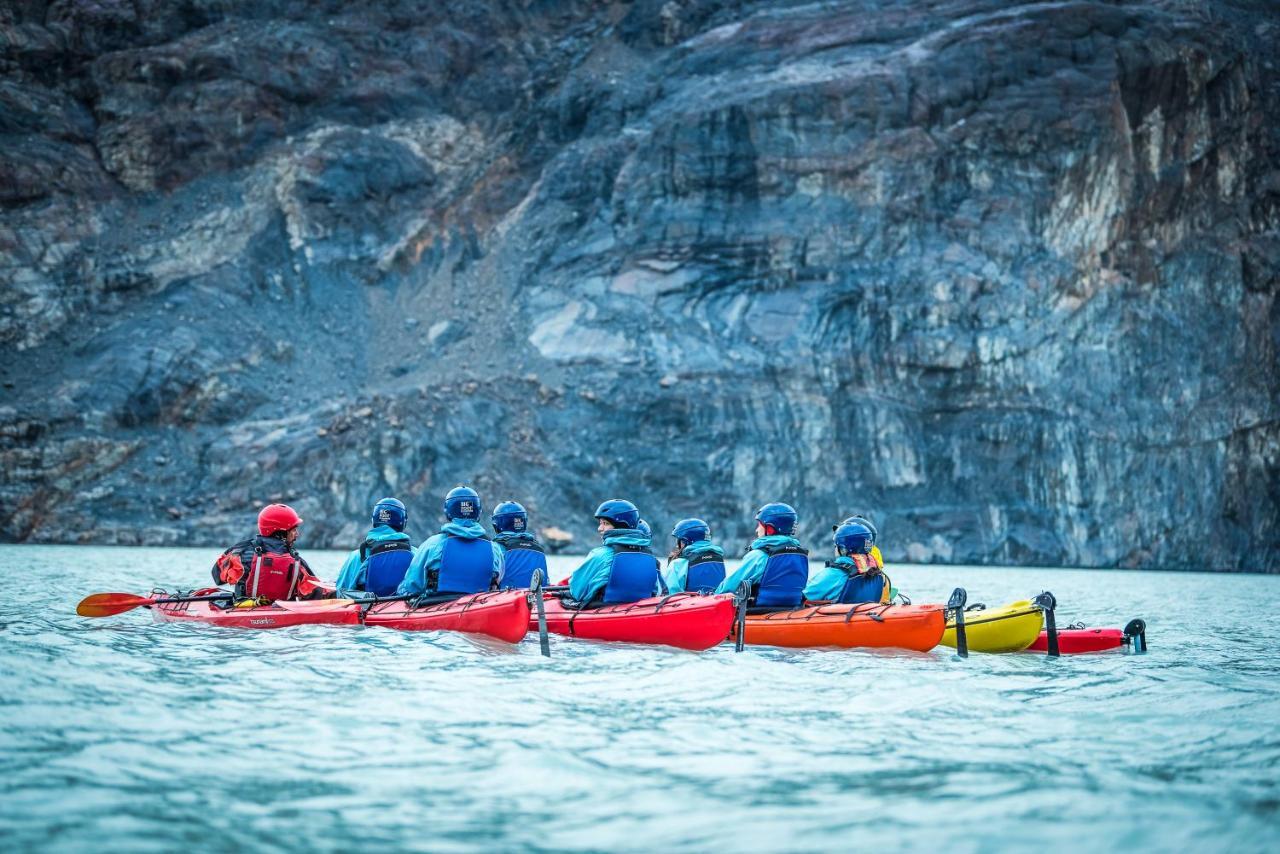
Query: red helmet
column 277, row 517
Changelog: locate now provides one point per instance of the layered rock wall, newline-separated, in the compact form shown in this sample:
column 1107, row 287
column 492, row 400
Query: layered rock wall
column 1002, row 276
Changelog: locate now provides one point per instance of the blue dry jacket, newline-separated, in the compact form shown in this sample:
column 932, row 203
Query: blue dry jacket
column 754, row 562
column 677, row 573
column 597, row 569
column 352, row 576
column 427, row 557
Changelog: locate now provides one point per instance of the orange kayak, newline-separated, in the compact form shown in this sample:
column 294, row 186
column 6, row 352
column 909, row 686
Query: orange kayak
column 917, row 627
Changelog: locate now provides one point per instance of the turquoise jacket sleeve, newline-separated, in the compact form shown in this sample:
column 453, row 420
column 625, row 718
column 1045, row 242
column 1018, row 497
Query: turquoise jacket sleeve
column 593, row 575
column 827, row 584
column 677, row 575
column 426, row 558
column 349, row 575
column 751, row 570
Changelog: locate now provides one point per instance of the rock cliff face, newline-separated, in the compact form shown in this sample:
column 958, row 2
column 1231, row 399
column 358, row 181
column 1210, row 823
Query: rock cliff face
column 1003, row 276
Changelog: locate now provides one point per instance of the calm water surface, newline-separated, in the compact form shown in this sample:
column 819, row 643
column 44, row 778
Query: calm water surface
column 122, row 734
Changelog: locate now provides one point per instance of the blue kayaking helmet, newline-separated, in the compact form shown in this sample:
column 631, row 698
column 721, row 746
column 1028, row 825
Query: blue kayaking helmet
column 861, row 520
column 462, row 502
column 781, row 517
column 853, row 538
column 510, row 516
column 643, row 527
column 691, row 530
column 390, row 512
column 619, row 511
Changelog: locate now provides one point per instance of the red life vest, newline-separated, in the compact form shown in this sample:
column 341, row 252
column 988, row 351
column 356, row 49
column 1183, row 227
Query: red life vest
column 272, row 576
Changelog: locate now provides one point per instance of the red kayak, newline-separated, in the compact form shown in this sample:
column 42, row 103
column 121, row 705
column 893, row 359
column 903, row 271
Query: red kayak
column 1077, row 639
column 685, row 620
column 278, row 615
column 503, row 615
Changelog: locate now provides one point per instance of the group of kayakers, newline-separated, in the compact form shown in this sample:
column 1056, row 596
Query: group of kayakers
column 463, row 558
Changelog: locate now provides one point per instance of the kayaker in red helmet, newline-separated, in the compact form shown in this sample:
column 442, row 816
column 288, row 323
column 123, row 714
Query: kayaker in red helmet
column 267, row 567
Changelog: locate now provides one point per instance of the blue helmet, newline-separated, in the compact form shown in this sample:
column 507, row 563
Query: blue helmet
column 462, row 502
column 853, row 538
column 510, row 516
column 780, row 517
column 861, row 520
column 390, row 512
column 619, row 511
column 643, row 527
column 691, row 530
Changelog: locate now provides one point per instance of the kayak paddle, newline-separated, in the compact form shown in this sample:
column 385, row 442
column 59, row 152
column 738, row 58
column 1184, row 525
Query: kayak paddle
column 110, row 604
column 544, row 642
column 956, row 604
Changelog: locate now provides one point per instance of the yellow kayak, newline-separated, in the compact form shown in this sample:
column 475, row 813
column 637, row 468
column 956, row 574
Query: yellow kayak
column 1009, row 628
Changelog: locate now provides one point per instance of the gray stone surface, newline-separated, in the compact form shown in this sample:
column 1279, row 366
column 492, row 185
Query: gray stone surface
column 1002, row 276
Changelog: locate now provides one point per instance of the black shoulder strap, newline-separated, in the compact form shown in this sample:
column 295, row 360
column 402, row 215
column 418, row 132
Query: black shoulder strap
column 528, row 545
column 367, row 551
column 772, row 551
column 456, row 537
column 629, row 547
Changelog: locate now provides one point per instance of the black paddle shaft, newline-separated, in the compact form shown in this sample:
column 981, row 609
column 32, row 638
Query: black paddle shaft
column 1046, row 601
column 171, row 600
column 956, row 605
column 544, row 642
column 740, row 619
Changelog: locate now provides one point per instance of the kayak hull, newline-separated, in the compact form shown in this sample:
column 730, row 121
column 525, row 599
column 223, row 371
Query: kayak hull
column 503, row 615
column 683, row 620
column 1073, row 641
column 914, row 627
column 279, row 615
column 1009, row 628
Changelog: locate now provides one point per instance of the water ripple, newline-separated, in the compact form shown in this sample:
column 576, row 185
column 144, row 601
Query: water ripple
column 122, row 734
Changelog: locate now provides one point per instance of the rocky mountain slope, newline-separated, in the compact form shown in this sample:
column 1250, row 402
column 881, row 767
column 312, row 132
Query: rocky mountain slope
column 1003, row 276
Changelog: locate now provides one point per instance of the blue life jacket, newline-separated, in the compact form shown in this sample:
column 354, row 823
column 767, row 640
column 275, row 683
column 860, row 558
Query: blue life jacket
column 785, row 575
column 522, row 558
column 466, row 566
column 861, row 588
column 635, row 574
column 706, row 571
column 388, row 562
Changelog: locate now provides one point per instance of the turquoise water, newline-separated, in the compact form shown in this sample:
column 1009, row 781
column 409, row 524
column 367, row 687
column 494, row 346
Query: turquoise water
column 122, row 734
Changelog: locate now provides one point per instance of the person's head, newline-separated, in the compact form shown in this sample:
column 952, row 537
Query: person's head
column 462, row 502
column 689, row 531
column 390, row 512
column 279, row 520
column 862, row 520
column 510, row 516
column 853, row 538
column 616, row 513
column 775, row 518
column 645, row 530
